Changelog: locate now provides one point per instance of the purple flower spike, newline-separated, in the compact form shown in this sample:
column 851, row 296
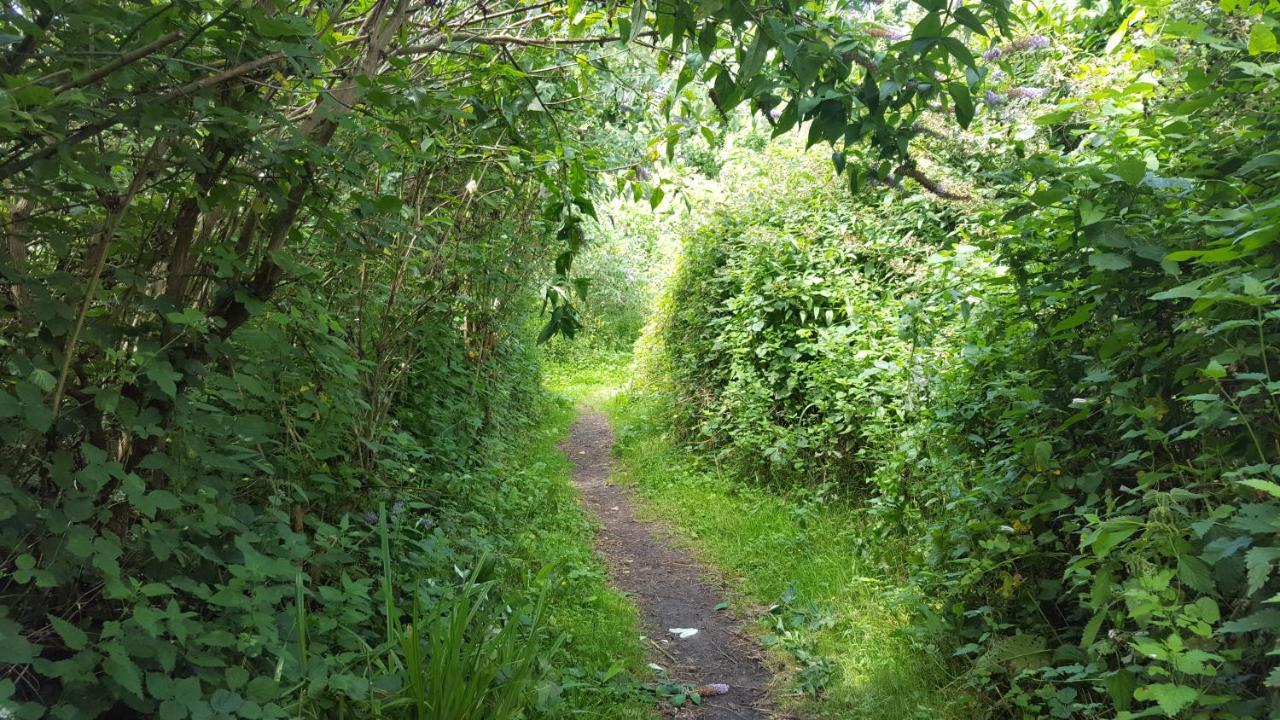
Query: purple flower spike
column 992, row 54
column 991, row 98
column 713, row 689
column 1038, row 41
column 371, row 517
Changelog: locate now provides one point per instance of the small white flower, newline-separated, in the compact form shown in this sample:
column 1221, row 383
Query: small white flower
column 472, row 185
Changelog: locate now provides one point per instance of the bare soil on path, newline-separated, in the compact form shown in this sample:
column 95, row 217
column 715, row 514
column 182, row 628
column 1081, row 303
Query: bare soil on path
column 670, row 588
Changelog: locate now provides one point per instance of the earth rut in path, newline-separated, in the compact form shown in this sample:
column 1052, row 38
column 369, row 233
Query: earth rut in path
column 668, row 587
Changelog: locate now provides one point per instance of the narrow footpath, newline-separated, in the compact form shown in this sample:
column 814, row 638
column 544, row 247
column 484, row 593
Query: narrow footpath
column 670, row 588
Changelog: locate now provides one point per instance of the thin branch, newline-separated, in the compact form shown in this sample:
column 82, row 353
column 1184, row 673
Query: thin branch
column 109, row 229
column 118, row 63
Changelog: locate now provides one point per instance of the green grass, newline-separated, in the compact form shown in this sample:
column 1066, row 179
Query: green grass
column 602, row 655
column 840, row 642
column 590, row 380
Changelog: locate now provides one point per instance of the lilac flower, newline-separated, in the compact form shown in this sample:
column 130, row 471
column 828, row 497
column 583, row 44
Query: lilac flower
column 1033, row 42
column 371, row 517
column 774, row 114
column 713, row 689
column 992, row 98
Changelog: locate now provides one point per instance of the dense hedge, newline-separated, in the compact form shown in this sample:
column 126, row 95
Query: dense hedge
column 1058, row 395
column 256, row 284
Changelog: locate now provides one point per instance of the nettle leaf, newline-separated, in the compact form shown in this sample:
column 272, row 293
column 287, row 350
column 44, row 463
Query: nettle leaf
column 1258, row 561
column 120, row 668
column 1195, row 573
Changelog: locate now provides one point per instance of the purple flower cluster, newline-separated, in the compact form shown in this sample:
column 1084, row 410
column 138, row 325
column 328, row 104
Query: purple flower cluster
column 371, row 517
column 1031, row 42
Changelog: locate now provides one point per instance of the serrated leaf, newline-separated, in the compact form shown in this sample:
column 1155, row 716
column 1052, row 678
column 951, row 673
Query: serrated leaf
column 74, row 637
column 1170, row 697
column 1257, row 562
column 1195, row 573
column 122, row 670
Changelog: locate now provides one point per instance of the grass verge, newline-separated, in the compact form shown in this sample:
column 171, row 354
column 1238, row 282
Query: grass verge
column 838, row 632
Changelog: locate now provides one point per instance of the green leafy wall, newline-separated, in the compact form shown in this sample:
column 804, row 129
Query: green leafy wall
column 1054, row 395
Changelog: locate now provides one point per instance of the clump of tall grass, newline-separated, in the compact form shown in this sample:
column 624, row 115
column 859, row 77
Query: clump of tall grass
column 467, row 656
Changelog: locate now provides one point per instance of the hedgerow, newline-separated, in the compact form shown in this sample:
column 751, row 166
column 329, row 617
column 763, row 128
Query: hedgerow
column 1044, row 367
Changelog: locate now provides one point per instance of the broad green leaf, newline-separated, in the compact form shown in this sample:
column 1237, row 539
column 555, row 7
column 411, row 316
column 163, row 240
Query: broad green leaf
column 1170, row 697
column 1261, row 39
column 1131, row 170
column 1109, row 261
column 964, row 103
column 1265, row 486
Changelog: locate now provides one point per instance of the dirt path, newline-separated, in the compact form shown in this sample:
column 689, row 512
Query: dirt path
column 669, row 587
